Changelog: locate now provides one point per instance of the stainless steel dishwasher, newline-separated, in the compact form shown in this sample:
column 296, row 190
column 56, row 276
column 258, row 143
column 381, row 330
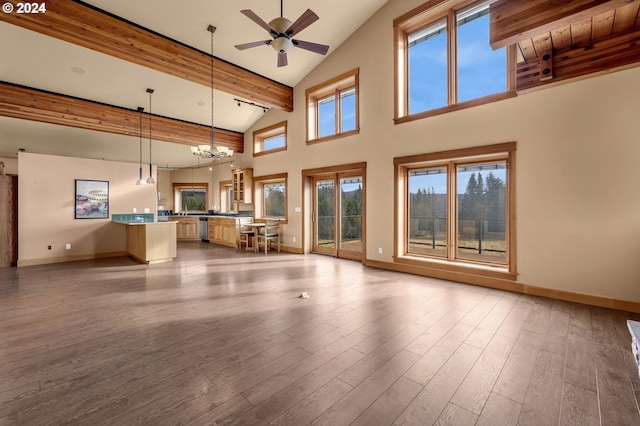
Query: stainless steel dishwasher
column 204, row 228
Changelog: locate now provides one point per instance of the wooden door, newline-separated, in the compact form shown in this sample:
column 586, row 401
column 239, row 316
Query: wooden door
column 8, row 220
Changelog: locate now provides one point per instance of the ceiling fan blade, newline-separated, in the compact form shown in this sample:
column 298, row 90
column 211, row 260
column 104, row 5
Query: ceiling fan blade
column 282, row 59
column 258, row 20
column 313, row 47
column 306, row 19
column 252, row 44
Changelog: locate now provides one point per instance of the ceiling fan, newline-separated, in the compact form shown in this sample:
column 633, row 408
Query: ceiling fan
column 282, row 30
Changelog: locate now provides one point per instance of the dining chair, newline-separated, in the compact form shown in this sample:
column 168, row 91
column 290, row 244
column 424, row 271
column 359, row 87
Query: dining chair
column 244, row 232
column 270, row 233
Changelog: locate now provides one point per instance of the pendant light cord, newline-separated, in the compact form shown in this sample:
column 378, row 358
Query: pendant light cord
column 212, row 29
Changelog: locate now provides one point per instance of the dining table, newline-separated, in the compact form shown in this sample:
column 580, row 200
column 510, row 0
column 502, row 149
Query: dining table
column 256, row 231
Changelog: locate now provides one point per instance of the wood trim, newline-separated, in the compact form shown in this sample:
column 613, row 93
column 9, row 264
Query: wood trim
column 515, row 20
column 617, row 52
column 334, row 169
column 87, row 26
column 605, row 302
column 46, row 107
column 447, row 266
column 456, row 107
column 334, row 137
column 457, row 153
column 259, row 181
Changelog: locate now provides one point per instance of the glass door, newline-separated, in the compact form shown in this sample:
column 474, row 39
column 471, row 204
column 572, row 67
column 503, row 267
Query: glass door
column 337, row 216
column 350, row 217
column 324, row 216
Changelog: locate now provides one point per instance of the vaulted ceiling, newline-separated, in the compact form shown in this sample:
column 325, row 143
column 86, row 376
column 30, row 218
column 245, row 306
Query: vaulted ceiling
column 96, row 51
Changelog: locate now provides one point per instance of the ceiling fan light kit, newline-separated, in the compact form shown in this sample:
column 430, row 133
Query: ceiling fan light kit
column 282, row 30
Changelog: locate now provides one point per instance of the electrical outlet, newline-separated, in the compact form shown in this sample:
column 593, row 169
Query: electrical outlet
column 48, row 247
column 68, row 246
column 379, row 250
column 294, row 239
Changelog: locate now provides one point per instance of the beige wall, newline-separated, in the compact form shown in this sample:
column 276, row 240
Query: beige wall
column 578, row 213
column 46, row 185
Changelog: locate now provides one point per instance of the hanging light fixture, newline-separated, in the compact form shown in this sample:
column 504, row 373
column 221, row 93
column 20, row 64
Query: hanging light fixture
column 141, row 181
column 211, row 150
column 150, row 178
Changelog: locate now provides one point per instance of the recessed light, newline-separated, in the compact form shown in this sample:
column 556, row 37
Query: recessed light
column 79, row 70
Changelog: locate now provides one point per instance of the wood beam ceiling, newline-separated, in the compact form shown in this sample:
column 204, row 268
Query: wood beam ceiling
column 515, row 20
column 614, row 52
column 36, row 105
column 92, row 28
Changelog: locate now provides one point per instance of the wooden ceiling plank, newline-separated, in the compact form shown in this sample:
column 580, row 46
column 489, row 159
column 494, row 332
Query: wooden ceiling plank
column 618, row 51
column 528, row 49
column 603, row 24
column 79, row 24
column 542, row 43
column 625, row 17
column 581, row 33
column 35, row 105
column 561, row 37
column 515, row 20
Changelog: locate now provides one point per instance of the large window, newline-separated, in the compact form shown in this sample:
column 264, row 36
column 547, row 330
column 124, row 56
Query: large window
column 444, row 61
column 190, row 197
column 271, row 196
column 332, row 108
column 458, row 208
column 270, row 139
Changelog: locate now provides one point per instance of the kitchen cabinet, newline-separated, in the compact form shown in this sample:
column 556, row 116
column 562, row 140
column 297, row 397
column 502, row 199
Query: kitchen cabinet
column 242, row 185
column 223, row 231
column 186, row 227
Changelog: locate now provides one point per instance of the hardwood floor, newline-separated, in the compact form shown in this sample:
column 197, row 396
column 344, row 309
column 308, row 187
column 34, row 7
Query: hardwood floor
column 219, row 337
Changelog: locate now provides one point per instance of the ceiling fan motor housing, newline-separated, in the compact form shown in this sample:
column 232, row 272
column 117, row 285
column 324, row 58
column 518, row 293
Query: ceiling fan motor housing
column 282, row 44
column 281, row 25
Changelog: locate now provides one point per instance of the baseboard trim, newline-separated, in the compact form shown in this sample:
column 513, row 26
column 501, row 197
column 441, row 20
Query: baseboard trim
column 587, row 299
column 50, row 260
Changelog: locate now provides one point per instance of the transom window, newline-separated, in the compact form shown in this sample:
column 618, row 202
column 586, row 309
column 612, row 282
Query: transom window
column 444, row 61
column 458, row 207
column 333, row 108
column 270, row 139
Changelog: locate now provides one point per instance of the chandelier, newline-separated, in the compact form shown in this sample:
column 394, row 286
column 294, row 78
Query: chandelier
column 212, row 151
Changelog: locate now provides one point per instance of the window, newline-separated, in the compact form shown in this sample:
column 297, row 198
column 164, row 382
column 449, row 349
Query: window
column 270, row 139
column 332, row 108
column 226, row 197
column 191, row 197
column 458, row 209
column 444, row 61
column 271, row 196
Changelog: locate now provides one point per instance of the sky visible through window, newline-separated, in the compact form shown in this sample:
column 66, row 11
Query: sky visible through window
column 481, row 71
column 327, row 113
column 273, row 143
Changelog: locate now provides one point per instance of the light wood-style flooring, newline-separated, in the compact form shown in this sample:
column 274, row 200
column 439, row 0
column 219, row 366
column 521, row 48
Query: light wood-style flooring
column 219, row 337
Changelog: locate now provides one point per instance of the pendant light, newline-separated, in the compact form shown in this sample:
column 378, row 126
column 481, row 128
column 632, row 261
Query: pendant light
column 141, row 181
column 211, row 150
column 150, row 178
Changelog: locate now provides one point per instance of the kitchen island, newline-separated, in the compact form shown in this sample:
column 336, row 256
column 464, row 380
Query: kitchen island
column 150, row 242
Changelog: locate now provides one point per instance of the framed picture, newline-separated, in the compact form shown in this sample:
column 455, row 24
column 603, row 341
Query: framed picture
column 92, row 199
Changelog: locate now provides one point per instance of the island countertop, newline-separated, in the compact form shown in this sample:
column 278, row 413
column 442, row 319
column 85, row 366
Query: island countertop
column 151, row 242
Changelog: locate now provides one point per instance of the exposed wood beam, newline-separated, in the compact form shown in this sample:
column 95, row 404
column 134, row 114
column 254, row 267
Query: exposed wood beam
column 616, row 52
column 80, row 24
column 515, row 20
column 36, row 105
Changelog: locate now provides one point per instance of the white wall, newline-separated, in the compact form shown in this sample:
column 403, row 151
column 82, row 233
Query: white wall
column 578, row 213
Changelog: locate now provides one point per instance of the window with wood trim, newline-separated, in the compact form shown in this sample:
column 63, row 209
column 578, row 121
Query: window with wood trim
column 226, row 197
column 457, row 208
column 191, row 197
column 444, row 61
column 270, row 194
column 332, row 108
column 270, row 139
